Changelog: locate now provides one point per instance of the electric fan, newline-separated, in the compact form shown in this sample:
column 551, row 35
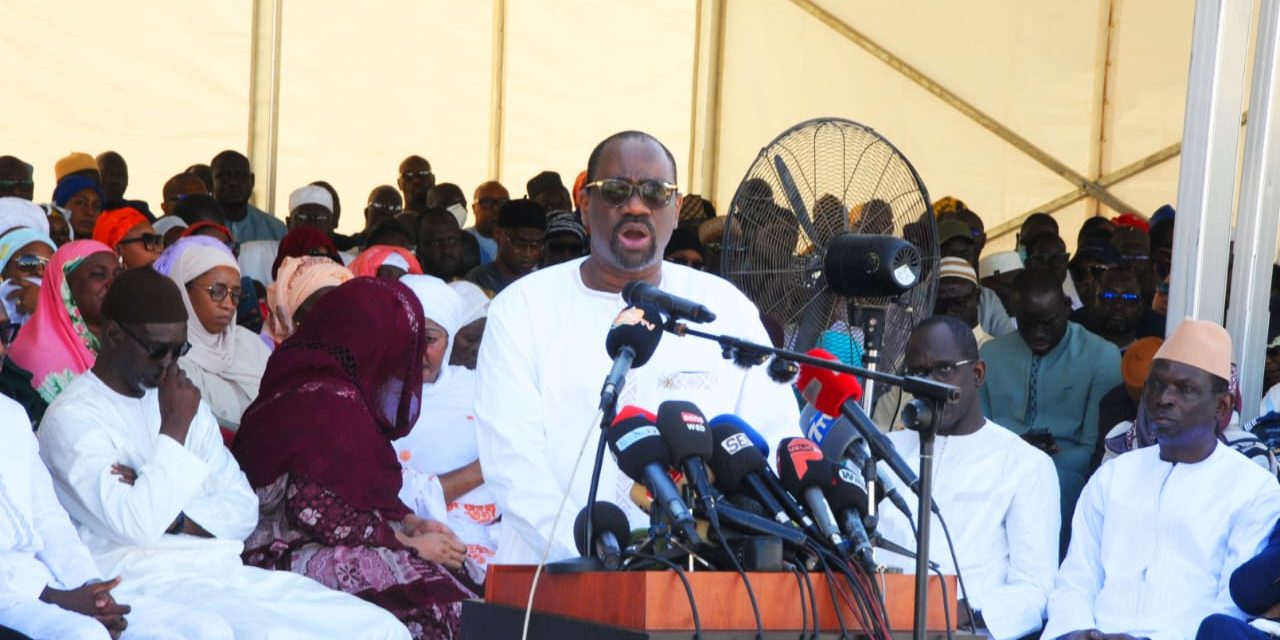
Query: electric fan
column 807, row 190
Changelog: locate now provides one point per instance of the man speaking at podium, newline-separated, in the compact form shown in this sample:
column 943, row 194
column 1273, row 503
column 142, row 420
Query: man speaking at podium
column 543, row 359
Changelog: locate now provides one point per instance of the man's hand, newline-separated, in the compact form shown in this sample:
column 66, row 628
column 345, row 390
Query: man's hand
column 441, row 547
column 93, row 600
column 126, row 473
column 179, row 399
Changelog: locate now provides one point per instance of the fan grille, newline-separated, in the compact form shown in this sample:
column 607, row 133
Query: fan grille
column 815, row 181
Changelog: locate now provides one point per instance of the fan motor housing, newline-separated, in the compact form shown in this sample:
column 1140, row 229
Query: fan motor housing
column 865, row 265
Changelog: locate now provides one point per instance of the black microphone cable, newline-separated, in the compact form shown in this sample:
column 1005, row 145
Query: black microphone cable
column 964, row 594
column 946, row 611
column 688, row 589
column 813, row 600
column 871, row 616
column 832, row 588
column 746, row 582
column 804, row 604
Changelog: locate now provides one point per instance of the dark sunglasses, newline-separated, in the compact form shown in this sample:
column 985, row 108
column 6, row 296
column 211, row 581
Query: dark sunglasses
column 409, row 175
column 219, row 292
column 386, row 207
column 150, row 241
column 616, row 191
column 1112, row 296
column 157, row 352
column 696, row 264
column 31, row 263
column 8, row 331
column 492, row 203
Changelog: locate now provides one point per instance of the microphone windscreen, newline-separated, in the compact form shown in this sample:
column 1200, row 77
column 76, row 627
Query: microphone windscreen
column 838, row 437
column 826, row 389
column 638, row 327
column 845, row 491
column 685, row 429
column 733, row 455
column 635, row 442
column 800, row 464
column 756, row 439
column 606, row 516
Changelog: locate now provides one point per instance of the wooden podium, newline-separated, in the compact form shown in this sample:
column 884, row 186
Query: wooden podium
column 654, row 603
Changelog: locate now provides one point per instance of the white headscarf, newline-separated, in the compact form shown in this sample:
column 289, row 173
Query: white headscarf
column 16, row 212
column 440, row 304
column 475, row 302
column 227, row 366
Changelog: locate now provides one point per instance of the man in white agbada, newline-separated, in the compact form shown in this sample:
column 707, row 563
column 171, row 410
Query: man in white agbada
column 158, row 499
column 543, row 359
column 998, row 493
column 1159, row 530
column 442, row 479
column 49, row 585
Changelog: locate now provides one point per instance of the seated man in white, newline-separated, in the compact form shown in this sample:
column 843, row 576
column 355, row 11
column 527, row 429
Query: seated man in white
column 158, row 499
column 998, row 493
column 49, row 586
column 1158, row 531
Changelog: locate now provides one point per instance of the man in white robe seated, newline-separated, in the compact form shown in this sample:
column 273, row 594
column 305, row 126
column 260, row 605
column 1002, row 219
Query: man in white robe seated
column 1158, row 531
column 158, row 499
column 998, row 493
column 543, row 356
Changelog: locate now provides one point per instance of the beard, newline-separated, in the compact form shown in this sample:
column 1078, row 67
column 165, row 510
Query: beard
column 632, row 261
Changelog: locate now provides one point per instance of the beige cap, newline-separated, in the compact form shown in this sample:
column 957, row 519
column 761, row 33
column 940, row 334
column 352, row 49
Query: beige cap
column 1202, row 344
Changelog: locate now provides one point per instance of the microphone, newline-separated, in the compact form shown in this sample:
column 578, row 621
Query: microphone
column 739, row 466
column 774, row 496
column 840, row 441
column 642, row 293
column 641, row 453
column 805, row 473
column 631, row 342
column 684, row 429
column 865, row 265
column 848, row 498
column 610, row 529
column 830, row 404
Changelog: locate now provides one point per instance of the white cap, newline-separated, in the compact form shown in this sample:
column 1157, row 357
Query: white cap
column 998, row 263
column 310, row 194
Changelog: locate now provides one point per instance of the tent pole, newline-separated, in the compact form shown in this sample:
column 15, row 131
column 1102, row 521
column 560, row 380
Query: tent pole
column 264, row 98
column 497, row 88
column 1206, row 180
column 1256, row 223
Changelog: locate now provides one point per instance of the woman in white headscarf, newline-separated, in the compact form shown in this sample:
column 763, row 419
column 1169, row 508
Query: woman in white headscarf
column 226, row 360
column 442, row 478
column 475, row 313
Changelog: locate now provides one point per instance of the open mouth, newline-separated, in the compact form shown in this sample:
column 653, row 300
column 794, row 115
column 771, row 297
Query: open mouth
column 634, row 236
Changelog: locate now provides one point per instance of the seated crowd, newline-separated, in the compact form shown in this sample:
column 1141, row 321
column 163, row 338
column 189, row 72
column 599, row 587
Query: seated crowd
column 220, row 424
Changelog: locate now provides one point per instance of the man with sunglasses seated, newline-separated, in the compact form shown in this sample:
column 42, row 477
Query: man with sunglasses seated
column 543, row 356
column 138, row 463
column 1118, row 312
column 522, row 226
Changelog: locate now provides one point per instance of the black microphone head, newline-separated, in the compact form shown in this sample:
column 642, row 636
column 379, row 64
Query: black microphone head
column 638, row 327
column 733, row 456
column 863, row 265
column 845, row 490
column 606, row 516
column 630, row 289
column 801, row 464
column 685, row 429
column 636, row 442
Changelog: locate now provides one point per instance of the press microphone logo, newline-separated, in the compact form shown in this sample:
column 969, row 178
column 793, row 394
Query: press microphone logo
column 636, row 435
column 802, row 452
column 847, row 476
column 819, row 426
column 736, row 442
column 632, row 316
column 693, row 421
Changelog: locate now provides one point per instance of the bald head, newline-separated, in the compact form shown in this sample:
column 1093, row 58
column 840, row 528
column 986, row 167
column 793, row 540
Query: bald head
column 179, row 187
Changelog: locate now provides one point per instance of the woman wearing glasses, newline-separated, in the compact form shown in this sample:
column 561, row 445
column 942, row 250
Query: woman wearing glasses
column 226, row 360
column 24, row 253
column 128, row 232
column 60, row 341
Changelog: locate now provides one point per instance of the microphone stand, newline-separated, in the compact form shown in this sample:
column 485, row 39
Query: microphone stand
column 745, row 354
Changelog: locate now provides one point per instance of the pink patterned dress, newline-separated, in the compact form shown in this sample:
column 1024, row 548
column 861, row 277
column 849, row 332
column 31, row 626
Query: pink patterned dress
column 310, row 530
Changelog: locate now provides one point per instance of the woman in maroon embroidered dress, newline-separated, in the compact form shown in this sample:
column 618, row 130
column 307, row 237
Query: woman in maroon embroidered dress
column 316, row 446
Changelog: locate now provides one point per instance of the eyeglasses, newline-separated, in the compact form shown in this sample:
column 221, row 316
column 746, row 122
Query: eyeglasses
column 438, row 243
column 219, row 292
column 31, row 263
column 17, row 183
column 616, row 191
column 1095, row 270
column 1112, row 297
column 409, row 175
column 150, row 241
column 942, row 371
column 8, row 331
column 386, row 207
column 1135, row 258
column 158, row 352
column 314, row 217
column 492, row 203
column 1050, row 259
column 688, row 262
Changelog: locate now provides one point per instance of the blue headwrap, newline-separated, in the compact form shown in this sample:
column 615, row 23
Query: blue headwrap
column 70, row 186
column 19, row 238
